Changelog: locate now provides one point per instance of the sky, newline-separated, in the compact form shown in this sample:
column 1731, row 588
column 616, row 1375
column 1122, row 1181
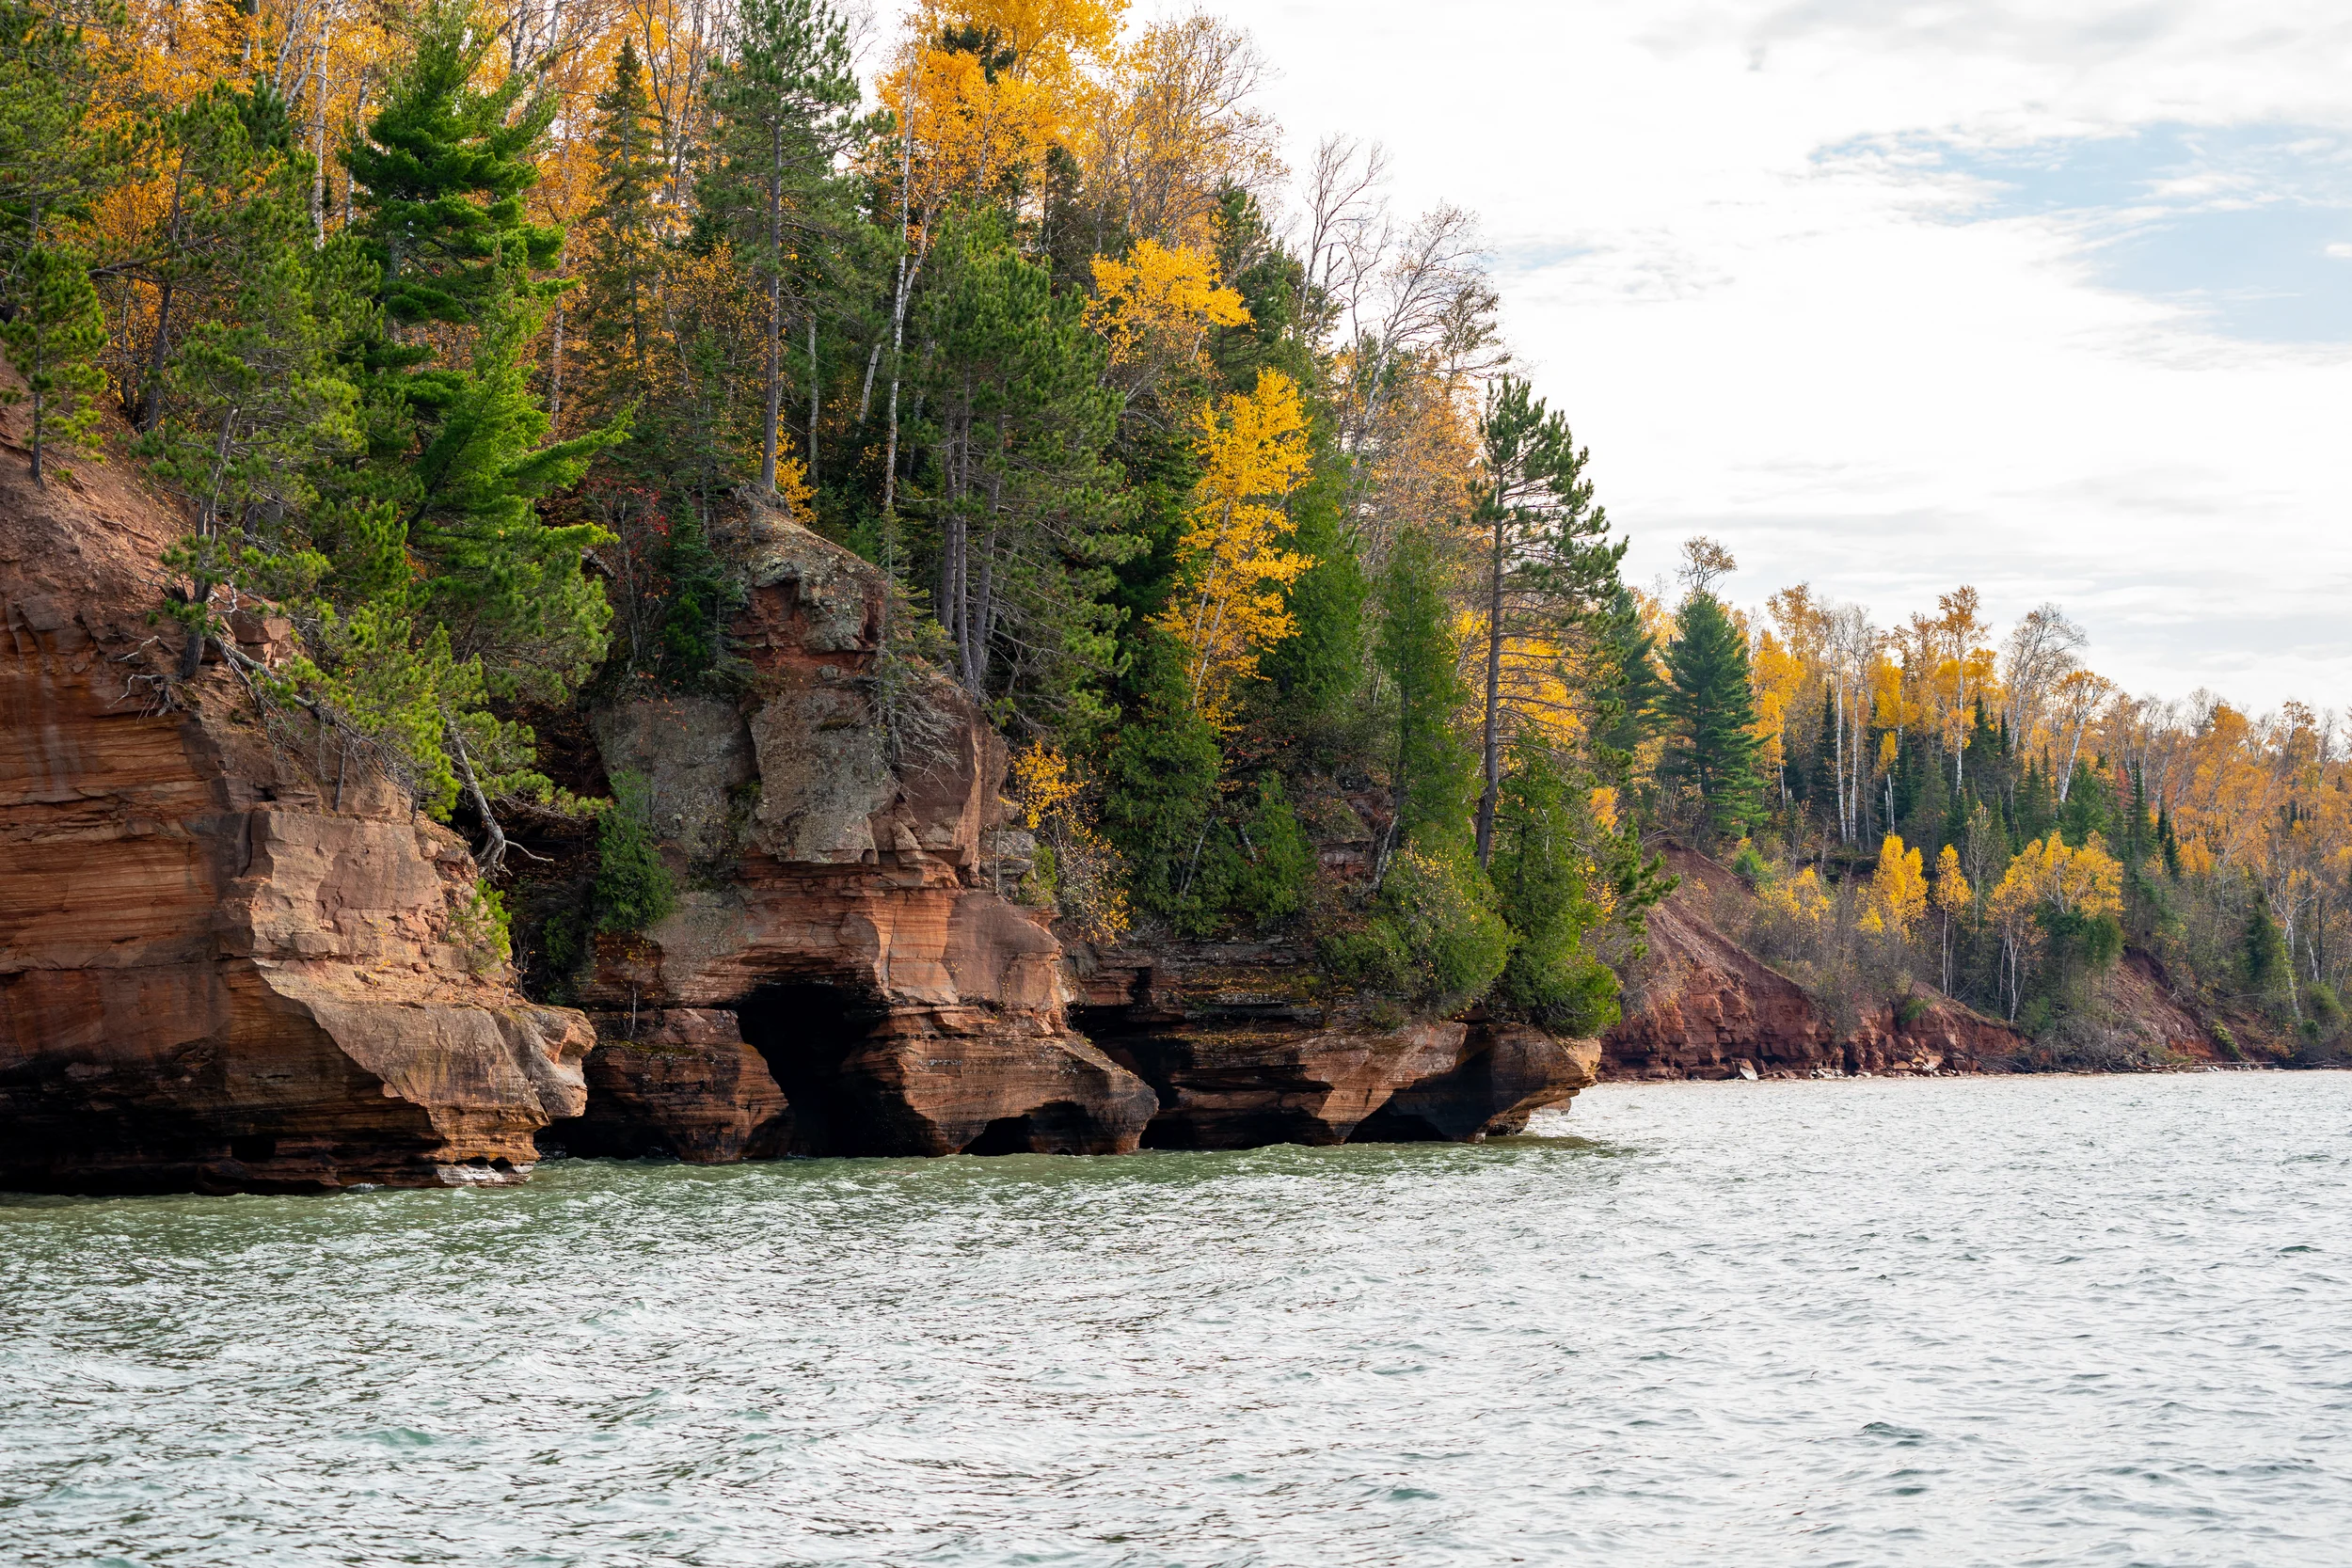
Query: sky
column 2053, row 299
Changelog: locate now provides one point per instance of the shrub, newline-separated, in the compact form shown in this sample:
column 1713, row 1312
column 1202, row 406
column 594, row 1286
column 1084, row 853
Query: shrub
column 1435, row 935
column 632, row 888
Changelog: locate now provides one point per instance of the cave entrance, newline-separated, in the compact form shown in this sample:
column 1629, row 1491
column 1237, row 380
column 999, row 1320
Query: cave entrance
column 805, row 1031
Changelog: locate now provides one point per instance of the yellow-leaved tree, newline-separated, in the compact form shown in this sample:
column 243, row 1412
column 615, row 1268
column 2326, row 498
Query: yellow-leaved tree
column 1898, row 890
column 1952, row 895
column 1233, row 564
column 1154, row 310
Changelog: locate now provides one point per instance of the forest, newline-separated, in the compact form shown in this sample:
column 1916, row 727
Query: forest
column 480, row 339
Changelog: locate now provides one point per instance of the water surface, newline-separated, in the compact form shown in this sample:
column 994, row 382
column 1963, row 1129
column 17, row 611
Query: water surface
column 1989, row 1320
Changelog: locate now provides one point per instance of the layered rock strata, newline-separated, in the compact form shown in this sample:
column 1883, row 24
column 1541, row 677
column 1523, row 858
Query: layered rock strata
column 1243, row 1047
column 834, row 833
column 231, row 958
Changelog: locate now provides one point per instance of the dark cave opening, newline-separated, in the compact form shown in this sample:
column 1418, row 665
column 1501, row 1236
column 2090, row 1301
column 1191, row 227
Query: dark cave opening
column 805, row 1031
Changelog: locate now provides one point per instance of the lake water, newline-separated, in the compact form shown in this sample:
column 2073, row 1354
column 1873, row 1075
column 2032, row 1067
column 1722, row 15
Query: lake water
column 1988, row 1320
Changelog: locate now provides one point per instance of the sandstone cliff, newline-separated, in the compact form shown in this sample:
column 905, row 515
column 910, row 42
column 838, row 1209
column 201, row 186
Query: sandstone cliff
column 226, row 954
column 842, row 923
column 839, row 909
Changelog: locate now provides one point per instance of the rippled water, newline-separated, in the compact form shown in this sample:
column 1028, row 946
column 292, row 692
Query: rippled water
column 2004, row 1321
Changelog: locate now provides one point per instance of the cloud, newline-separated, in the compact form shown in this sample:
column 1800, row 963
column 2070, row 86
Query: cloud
column 2234, row 225
column 2044, row 296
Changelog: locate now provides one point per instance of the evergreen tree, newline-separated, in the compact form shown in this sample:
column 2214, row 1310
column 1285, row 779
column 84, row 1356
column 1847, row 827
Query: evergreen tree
column 1629, row 696
column 1544, row 886
column 1714, row 744
column 2262, row 962
column 1022, row 500
column 1431, row 773
column 783, row 108
column 53, row 337
column 442, row 170
column 622, row 269
column 1546, row 566
column 1162, row 784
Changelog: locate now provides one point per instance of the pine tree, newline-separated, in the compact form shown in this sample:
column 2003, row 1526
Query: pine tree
column 1543, row 885
column 1628, row 695
column 52, row 338
column 783, row 108
column 1021, row 496
column 1547, row 567
column 1431, row 773
column 622, row 270
column 441, row 172
column 1713, row 709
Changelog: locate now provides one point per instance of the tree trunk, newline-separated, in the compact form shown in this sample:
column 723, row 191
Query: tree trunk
column 1493, row 757
column 775, row 314
column 814, row 382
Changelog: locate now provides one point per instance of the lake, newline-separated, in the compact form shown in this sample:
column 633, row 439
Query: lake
column 1995, row 1320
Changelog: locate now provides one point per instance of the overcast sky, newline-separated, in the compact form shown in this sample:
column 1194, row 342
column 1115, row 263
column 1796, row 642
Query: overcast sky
column 2051, row 298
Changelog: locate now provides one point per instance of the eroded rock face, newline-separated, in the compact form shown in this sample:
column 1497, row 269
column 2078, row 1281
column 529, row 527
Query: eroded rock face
column 680, row 1082
column 1241, row 1052
column 214, row 971
column 1702, row 1007
column 842, row 900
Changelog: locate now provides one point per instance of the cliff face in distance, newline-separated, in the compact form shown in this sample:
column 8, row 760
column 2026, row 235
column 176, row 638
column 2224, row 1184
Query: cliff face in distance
column 219, row 968
column 1702, row 1007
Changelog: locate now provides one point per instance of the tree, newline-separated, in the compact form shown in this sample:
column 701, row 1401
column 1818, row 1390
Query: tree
column 52, row 338
column 622, row 270
column 1022, row 498
column 782, row 109
column 1546, row 566
column 1628, row 695
column 1551, row 890
column 1952, row 896
column 1429, row 780
column 1232, row 566
column 442, row 170
column 1713, row 710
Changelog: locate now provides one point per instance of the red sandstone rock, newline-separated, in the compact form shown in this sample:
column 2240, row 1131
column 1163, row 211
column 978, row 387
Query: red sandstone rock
column 1243, row 1049
column 212, row 973
column 907, row 1007
column 683, row 1082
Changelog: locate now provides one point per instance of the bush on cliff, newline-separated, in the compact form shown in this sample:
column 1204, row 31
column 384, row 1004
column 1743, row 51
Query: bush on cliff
column 1435, row 936
column 632, row 888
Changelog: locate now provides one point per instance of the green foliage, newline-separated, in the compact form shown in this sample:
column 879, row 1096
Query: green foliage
column 442, row 171
column 1021, row 502
column 1319, row 669
column 505, row 580
column 621, row 272
column 1432, row 769
column 1161, row 784
column 1544, row 875
column 52, row 161
column 2262, row 951
column 1263, row 864
column 1629, row 696
column 479, row 928
column 53, row 337
column 1435, row 935
column 634, row 889
column 1713, row 746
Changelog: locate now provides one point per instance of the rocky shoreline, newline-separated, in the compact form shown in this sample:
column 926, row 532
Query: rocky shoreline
column 232, row 957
